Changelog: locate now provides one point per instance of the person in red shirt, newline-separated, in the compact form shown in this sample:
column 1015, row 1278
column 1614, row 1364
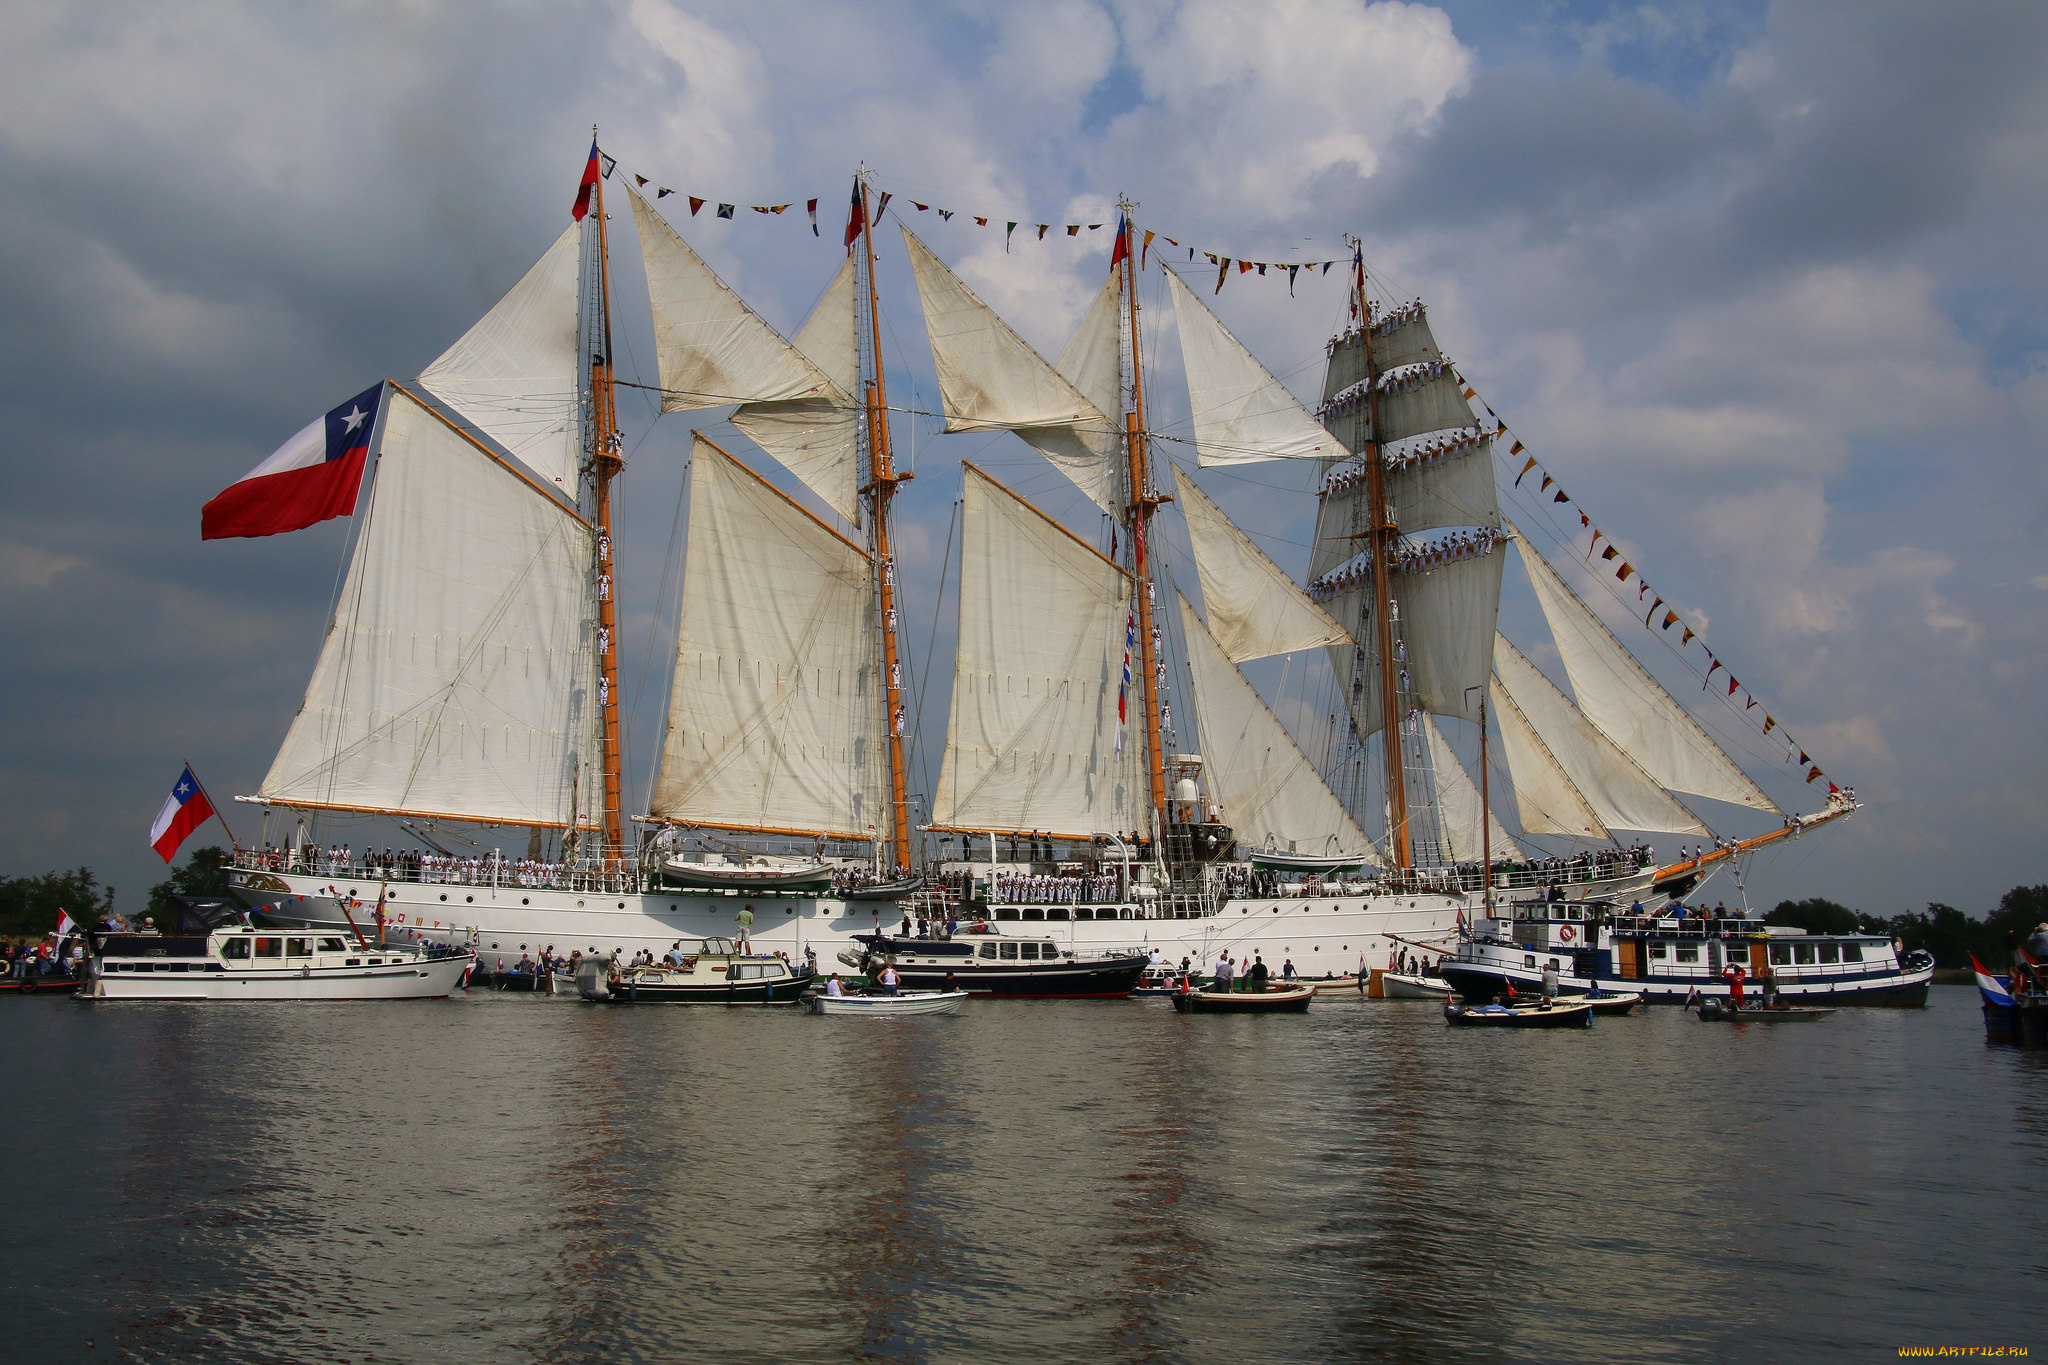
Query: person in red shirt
column 1734, row 976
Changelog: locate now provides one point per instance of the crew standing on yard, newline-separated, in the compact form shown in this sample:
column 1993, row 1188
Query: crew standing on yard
column 746, row 923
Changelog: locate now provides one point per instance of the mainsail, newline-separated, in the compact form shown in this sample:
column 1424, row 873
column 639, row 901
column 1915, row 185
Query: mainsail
column 514, row 374
column 1032, row 742
column 458, row 677
column 1620, row 697
column 1448, row 604
column 1269, row 791
column 775, row 710
column 1616, row 788
column 1255, row 609
column 1241, row 412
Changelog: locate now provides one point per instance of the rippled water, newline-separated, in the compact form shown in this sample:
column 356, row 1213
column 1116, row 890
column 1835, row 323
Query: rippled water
column 506, row 1178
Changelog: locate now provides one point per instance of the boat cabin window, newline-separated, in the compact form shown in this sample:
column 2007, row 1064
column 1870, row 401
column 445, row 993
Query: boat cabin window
column 1830, row 952
column 1852, row 952
column 235, row 949
column 1577, row 913
column 1030, row 951
column 333, row 945
column 1688, row 952
column 1781, row 954
column 988, row 950
column 1052, row 951
column 1802, row 953
column 270, row 947
column 1660, row 951
column 298, row 947
column 1009, row 952
column 747, row 971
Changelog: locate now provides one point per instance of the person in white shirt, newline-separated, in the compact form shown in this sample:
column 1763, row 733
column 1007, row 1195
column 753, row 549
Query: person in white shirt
column 833, row 988
column 888, row 980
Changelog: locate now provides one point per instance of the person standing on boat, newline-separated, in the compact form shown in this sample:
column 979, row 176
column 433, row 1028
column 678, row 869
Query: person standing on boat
column 1287, row 971
column 745, row 919
column 1255, row 979
column 1767, row 985
column 888, row 980
column 1734, row 976
column 1225, row 970
column 1550, row 981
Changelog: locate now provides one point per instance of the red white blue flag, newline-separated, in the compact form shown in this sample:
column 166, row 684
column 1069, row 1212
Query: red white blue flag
column 591, row 174
column 310, row 478
column 185, row 810
column 1123, row 242
column 1123, row 688
column 856, row 218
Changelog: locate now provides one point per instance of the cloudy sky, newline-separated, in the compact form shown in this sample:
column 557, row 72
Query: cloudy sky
column 1762, row 285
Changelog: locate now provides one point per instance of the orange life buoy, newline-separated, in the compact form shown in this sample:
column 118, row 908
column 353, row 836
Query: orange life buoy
column 1564, row 933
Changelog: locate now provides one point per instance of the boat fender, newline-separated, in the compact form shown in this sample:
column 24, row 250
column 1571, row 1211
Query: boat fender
column 1565, row 933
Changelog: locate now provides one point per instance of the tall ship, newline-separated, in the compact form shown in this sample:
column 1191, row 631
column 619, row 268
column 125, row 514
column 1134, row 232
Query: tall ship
column 467, row 688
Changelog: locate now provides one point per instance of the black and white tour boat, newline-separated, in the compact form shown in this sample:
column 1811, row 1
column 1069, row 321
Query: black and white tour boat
column 238, row 962
column 997, row 964
column 1669, row 958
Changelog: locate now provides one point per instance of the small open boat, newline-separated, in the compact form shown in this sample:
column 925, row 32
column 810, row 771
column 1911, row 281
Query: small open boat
column 1563, row 1013
column 885, row 891
column 749, row 875
column 1611, row 1002
column 1331, row 985
column 887, row 1006
column 1272, row 1000
column 1714, row 1011
column 1409, row 986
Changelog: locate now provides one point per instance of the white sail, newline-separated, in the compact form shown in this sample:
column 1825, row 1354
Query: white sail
column 458, row 677
column 1459, row 804
column 1031, row 743
column 1448, row 486
column 1620, row 697
column 1546, row 802
column 1618, row 790
column 1270, row 793
column 1241, row 412
column 1092, row 453
column 1403, row 338
column 1414, row 406
column 818, row 439
column 712, row 348
column 775, row 714
column 514, row 374
column 1255, row 609
column 1447, row 616
column 989, row 377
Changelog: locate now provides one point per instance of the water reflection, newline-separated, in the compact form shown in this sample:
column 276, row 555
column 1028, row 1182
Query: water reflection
column 507, row 1178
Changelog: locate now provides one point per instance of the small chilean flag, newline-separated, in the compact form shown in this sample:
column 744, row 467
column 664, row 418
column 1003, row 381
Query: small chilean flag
column 591, row 175
column 312, row 477
column 1123, row 242
column 186, row 810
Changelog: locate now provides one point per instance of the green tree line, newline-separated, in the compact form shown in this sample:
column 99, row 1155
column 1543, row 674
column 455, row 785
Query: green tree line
column 29, row 905
column 1943, row 930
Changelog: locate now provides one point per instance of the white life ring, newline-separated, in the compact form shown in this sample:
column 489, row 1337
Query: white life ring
column 1564, row 933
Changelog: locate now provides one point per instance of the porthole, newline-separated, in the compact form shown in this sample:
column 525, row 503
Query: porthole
column 525, row 901
column 1276, row 909
column 469, row 900
column 672, row 909
column 351, row 890
column 622, row 905
column 444, row 895
column 1244, row 912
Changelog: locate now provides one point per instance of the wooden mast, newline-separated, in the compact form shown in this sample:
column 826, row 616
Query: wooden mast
column 1380, row 537
column 605, row 466
column 879, row 492
column 1138, row 513
column 1485, row 809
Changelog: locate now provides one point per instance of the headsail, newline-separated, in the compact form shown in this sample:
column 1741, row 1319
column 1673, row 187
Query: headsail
column 1621, row 698
column 514, row 374
column 818, row 439
column 1546, row 800
column 1270, row 793
column 457, row 678
column 775, row 712
column 1459, row 804
column 1617, row 789
column 1255, row 609
column 1031, row 743
column 1241, row 412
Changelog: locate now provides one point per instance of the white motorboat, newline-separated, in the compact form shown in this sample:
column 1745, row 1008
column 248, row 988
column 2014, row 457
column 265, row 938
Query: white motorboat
column 1407, row 986
column 242, row 963
column 909, row 1002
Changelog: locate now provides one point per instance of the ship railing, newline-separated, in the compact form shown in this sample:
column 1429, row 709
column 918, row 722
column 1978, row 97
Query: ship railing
column 1692, row 926
column 614, row 876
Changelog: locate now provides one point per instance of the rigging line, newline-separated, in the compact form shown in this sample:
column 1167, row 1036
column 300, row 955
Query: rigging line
column 932, row 642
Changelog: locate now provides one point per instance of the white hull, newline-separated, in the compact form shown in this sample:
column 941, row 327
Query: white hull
column 1320, row 934
column 426, row 980
column 886, row 1006
column 1394, row 986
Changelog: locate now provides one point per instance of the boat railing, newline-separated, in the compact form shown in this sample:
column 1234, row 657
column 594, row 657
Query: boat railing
column 615, row 876
column 1692, row 926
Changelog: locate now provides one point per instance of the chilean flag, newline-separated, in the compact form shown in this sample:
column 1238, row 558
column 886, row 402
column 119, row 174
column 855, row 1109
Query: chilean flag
column 186, row 810
column 312, row 477
column 591, row 174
